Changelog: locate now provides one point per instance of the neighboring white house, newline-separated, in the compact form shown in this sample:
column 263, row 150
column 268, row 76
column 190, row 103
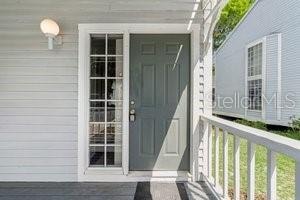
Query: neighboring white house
column 257, row 67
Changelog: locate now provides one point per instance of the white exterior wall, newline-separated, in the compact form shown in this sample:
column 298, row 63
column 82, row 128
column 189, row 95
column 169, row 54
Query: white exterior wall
column 38, row 98
column 272, row 80
column 38, row 87
column 267, row 18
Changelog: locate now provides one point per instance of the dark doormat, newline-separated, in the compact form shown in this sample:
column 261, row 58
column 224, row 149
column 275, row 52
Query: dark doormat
column 157, row 191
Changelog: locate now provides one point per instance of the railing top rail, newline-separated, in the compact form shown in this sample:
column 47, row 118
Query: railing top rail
column 272, row 141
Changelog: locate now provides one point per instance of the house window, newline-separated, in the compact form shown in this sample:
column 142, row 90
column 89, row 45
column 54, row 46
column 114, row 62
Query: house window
column 105, row 100
column 254, row 77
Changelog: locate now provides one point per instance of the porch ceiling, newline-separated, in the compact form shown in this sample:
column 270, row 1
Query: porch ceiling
column 121, row 11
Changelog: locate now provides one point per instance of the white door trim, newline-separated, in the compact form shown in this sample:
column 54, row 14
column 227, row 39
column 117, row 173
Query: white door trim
column 83, row 49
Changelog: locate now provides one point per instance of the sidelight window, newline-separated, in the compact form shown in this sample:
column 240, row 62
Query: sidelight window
column 105, row 100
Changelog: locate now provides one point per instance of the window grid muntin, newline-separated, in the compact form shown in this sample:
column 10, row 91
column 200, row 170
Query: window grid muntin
column 255, row 93
column 106, row 100
column 254, row 76
column 255, row 60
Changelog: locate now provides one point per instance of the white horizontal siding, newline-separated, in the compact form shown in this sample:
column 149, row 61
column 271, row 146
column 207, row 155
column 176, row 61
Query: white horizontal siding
column 40, row 103
column 16, row 131
column 38, row 79
column 37, row 71
column 37, row 170
column 230, row 82
column 38, row 120
column 38, row 62
column 271, row 77
column 38, row 145
column 38, row 87
column 49, row 153
column 38, row 177
column 38, row 95
column 30, row 133
column 38, row 112
column 254, row 115
column 38, row 161
column 18, row 54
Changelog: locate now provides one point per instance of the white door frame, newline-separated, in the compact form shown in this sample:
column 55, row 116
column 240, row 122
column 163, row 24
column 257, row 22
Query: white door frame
column 101, row 174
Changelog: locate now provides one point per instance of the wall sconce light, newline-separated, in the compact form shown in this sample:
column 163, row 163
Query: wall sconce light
column 50, row 29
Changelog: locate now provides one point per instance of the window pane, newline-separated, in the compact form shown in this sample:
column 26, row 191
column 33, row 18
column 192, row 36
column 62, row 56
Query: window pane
column 115, row 89
column 97, row 132
column 114, row 156
column 98, row 44
column 114, row 134
column 114, row 111
column 97, row 111
column 115, row 66
column 255, row 94
column 96, row 155
column 115, row 45
column 255, row 60
column 97, row 67
column 97, row 89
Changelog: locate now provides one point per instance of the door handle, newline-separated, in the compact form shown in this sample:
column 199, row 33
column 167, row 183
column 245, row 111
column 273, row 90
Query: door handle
column 132, row 115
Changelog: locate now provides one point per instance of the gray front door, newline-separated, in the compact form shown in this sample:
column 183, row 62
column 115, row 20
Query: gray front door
column 159, row 94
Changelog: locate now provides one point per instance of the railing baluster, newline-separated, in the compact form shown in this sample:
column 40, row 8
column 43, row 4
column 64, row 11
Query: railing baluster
column 271, row 175
column 236, row 168
column 209, row 152
column 253, row 136
column 297, row 179
column 225, row 164
column 251, row 170
column 217, row 136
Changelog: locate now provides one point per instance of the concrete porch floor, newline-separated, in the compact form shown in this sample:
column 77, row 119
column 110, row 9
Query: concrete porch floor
column 103, row 191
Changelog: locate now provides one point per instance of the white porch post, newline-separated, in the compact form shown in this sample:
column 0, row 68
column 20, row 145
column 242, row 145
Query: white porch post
column 208, row 15
column 205, row 81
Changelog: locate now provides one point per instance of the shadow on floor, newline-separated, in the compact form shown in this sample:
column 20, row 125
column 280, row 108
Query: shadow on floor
column 160, row 191
column 199, row 191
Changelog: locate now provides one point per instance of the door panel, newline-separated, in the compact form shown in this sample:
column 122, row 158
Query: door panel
column 159, row 88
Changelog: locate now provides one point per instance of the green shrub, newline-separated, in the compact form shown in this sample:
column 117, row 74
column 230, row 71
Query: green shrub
column 254, row 124
column 293, row 132
column 295, row 124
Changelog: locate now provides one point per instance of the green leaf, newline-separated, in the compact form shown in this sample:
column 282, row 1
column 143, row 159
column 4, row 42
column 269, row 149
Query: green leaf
column 231, row 14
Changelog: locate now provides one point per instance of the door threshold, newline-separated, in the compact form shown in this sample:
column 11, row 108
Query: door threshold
column 161, row 176
column 141, row 176
column 160, row 173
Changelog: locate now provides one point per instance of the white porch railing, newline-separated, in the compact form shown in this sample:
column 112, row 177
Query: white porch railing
column 274, row 144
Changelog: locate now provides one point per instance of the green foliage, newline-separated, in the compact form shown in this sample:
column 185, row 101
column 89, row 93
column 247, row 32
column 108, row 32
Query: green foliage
column 230, row 17
column 295, row 123
column 254, row 124
column 293, row 132
column 290, row 133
